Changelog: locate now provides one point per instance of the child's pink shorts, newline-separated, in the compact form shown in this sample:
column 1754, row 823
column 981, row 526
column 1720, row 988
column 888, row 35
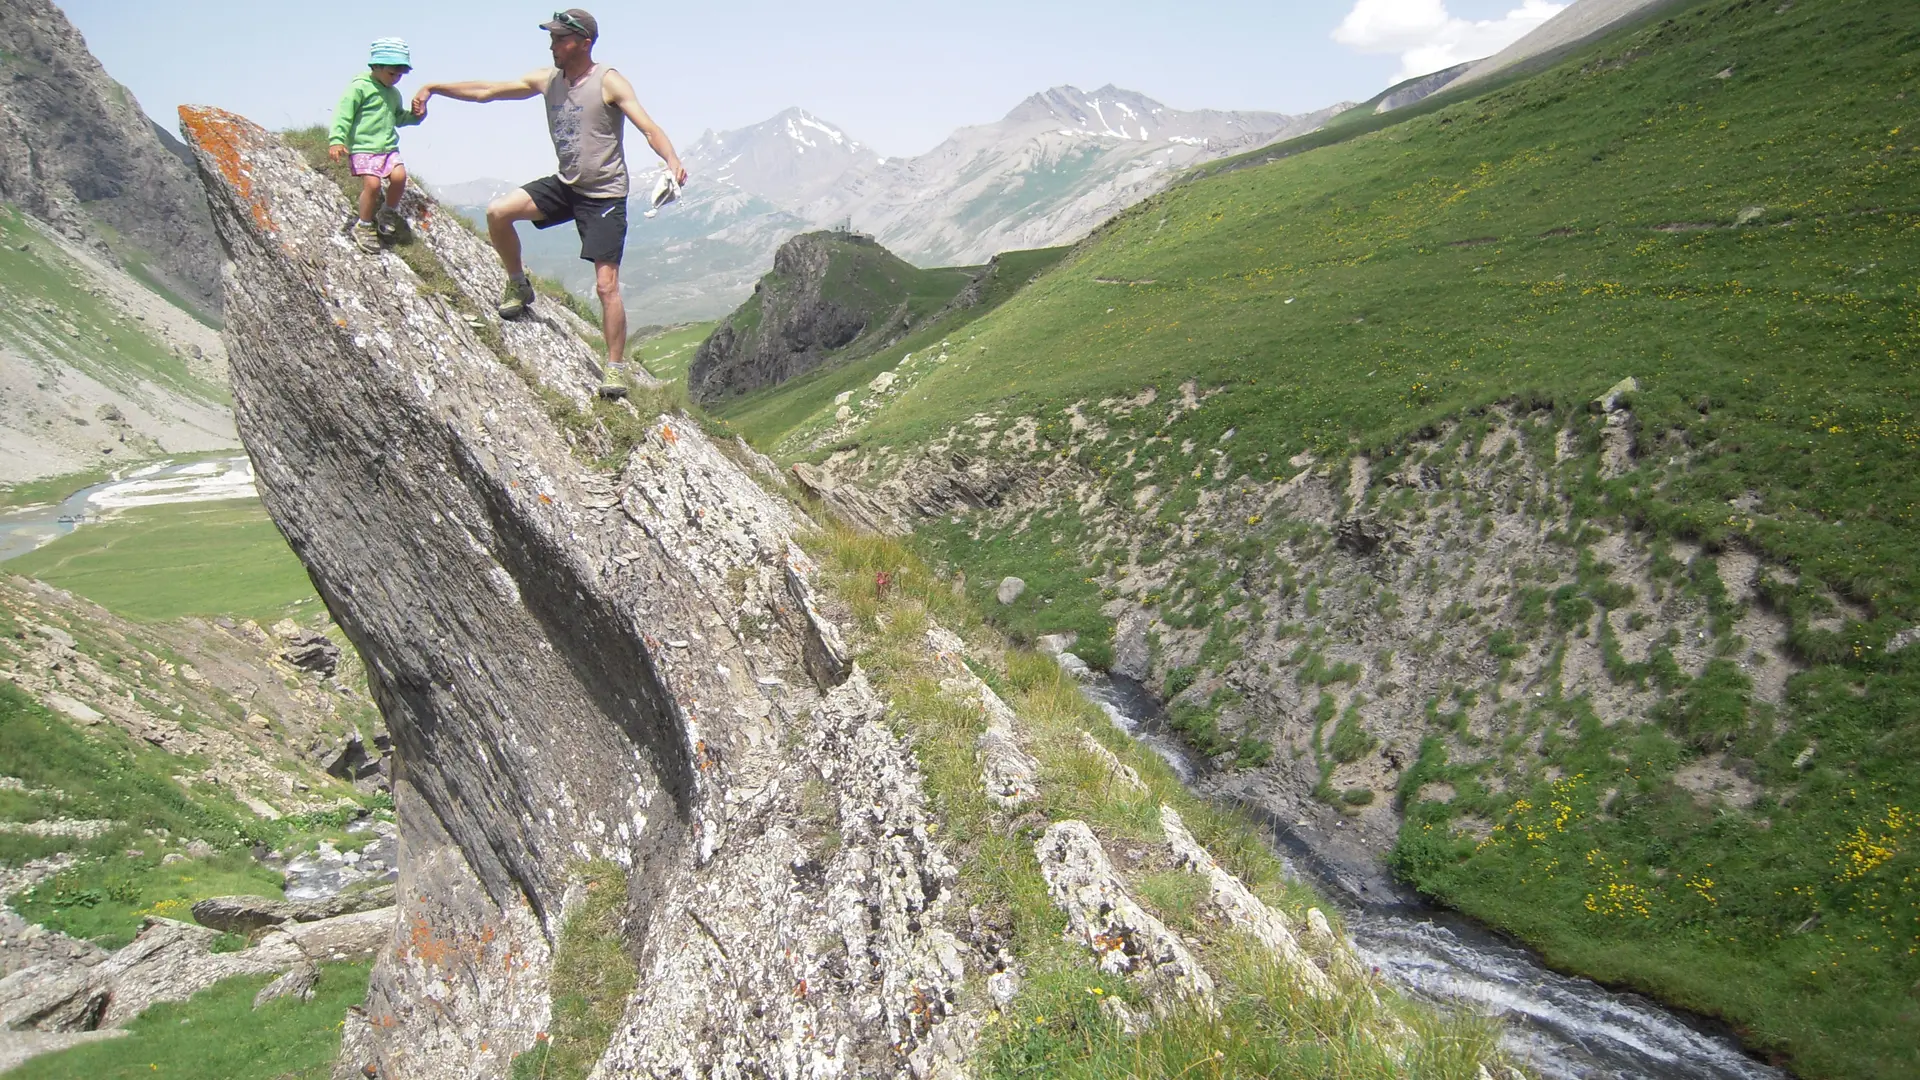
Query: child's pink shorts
column 376, row 164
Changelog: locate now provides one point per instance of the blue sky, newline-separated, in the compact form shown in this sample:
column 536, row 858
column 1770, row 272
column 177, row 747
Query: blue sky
column 896, row 76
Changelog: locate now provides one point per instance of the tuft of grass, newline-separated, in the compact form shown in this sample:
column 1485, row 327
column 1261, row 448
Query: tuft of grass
column 592, row 978
column 218, row 1032
column 553, row 290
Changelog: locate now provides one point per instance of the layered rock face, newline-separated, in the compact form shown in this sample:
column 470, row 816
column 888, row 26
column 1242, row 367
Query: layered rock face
column 576, row 667
column 76, row 150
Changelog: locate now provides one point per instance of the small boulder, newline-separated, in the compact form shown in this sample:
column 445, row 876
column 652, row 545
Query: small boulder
column 1074, row 666
column 1009, row 590
column 1611, row 400
column 312, row 652
column 73, row 710
column 297, row 983
column 1361, row 536
column 241, row 914
column 1055, row 644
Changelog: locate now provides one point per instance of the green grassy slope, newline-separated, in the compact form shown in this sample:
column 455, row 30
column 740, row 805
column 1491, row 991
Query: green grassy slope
column 1725, row 205
column 1362, row 119
column 1549, row 239
column 219, row 1033
column 666, row 354
column 162, row 562
column 47, row 311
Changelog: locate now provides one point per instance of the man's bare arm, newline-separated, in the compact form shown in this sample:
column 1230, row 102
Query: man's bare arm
column 532, row 84
column 619, row 93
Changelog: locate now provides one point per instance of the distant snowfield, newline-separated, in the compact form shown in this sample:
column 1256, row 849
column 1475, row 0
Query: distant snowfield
column 204, row 481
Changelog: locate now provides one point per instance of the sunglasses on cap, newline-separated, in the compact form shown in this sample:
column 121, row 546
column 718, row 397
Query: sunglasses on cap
column 571, row 23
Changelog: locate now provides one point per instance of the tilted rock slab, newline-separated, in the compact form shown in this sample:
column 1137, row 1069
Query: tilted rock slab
column 1101, row 915
column 573, row 666
column 1241, row 909
column 172, row 961
column 1010, row 775
column 1118, row 772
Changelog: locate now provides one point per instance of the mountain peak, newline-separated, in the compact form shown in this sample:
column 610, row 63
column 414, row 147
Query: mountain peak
column 1111, row 111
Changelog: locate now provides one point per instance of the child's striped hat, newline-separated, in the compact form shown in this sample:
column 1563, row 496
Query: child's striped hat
column 391, row 52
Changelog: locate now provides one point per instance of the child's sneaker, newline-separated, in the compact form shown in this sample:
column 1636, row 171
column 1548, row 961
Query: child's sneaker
column 367, row 237
column 388, row 221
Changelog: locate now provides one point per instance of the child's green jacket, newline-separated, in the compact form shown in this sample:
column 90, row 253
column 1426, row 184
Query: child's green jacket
column 369, row 117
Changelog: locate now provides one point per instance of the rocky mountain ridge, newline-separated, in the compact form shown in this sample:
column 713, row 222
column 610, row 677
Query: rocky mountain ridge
column 77, row 151
column 1056, row 165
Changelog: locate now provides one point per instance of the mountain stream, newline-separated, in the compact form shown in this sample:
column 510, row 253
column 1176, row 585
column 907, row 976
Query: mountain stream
column 30, row 527
column 1562, row 1027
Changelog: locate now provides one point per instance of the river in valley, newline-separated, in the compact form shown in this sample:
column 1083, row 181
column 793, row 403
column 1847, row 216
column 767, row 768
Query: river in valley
column 1562, row 1027
column 201, row 480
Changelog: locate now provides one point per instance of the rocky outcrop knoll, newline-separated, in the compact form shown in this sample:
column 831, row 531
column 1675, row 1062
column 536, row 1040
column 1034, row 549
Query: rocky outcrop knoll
column 828, row 291
column 580, row 670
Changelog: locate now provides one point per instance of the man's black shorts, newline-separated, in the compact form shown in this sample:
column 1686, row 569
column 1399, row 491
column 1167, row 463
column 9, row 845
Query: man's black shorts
column 602, row 222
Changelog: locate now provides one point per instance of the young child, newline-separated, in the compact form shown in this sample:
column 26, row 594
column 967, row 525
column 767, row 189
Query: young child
column 365, row 128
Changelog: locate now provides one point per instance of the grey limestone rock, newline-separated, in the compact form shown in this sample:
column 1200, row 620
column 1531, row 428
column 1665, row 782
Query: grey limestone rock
column 1009, row 589
column 23, row 945
column 573, row 664
column 249, row 914
column 297, row 983
column 1126, row 939
column 1242, row 910
column 1010, row 775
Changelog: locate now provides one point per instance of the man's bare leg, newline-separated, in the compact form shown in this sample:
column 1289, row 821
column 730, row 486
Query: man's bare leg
column 613, row 313
column 515, row 205
column 502, row 213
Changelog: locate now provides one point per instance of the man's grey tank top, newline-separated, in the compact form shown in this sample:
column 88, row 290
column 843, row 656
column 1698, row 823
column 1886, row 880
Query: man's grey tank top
column 587, row 135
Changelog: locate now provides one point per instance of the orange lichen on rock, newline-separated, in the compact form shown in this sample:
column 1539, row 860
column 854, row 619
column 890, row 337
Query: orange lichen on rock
column 224, row 137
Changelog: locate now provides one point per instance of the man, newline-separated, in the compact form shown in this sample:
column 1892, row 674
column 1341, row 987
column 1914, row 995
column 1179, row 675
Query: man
column 587, row 103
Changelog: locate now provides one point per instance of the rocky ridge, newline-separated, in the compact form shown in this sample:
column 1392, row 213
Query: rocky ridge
column 639, row 640
column 1057, row 165
column 76, row 150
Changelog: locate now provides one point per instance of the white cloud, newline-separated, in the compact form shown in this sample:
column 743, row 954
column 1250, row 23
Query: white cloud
column 1428, row 38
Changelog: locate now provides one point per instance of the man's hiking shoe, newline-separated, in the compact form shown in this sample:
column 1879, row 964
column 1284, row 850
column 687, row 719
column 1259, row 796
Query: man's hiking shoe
column 613, row 381
column 387, row 220
column 516, row 300
column 366, row 237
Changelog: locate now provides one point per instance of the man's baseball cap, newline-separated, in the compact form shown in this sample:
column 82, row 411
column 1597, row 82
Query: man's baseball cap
column 573, row 21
